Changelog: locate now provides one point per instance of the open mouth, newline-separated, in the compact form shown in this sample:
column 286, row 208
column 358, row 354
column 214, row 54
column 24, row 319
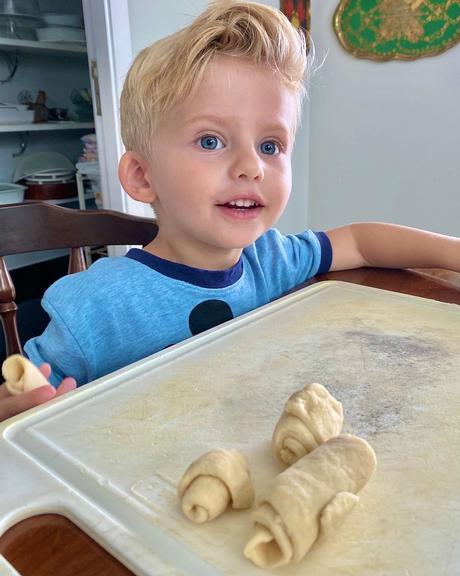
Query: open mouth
column 242, row 204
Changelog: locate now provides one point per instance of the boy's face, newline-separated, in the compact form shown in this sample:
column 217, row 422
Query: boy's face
column 221, row 166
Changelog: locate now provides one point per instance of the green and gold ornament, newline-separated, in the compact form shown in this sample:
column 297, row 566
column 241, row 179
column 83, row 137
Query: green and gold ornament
column 397, row 29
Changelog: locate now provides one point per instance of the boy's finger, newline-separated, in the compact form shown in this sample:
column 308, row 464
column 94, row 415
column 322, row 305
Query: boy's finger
column 3, row 391
column 45, row 369
column 15, row 404
column 66, row 385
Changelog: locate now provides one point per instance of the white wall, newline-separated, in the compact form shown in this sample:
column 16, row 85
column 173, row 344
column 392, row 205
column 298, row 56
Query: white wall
column 150, row 21
column 384, row 137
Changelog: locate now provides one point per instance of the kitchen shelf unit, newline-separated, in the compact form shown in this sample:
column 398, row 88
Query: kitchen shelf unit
column 34, row 46
column 36, row 49
column 31, row 127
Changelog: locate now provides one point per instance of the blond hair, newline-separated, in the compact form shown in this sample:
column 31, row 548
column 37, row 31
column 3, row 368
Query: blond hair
column 163, row 74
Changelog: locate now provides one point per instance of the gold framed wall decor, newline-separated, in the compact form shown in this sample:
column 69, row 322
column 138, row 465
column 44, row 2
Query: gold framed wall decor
column 397, row 29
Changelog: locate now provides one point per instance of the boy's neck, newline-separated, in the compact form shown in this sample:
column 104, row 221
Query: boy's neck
column 204, row 260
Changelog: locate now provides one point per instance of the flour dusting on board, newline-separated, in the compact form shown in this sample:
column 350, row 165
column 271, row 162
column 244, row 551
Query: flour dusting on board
column 375, row 374
column 393, row 362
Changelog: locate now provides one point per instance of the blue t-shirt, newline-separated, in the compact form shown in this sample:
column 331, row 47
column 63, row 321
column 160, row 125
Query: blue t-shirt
column 123, row 309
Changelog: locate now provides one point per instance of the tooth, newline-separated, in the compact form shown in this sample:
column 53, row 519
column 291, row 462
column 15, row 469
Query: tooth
column 242, row 203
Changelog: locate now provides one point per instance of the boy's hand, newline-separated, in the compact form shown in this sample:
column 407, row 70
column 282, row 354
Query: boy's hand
column 11, row 405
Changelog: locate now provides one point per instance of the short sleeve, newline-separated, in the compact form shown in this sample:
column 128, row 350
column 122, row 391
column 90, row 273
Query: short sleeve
column 285, row 261
column 326, row 253
column 57, row 346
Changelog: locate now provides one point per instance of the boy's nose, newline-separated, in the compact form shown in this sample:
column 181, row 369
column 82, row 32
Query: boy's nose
column 247, row 165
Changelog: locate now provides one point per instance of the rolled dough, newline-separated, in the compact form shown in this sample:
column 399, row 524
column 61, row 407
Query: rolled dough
column 310, row 417
column 312, row 496
column 212, row 482
column 21, row 375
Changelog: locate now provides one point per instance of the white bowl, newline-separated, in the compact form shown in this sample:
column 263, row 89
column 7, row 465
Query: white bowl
column 61, row 34
column 11, row 193
column 30, row 164
column 16, row 114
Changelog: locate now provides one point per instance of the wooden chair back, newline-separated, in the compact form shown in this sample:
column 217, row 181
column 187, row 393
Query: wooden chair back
column 34, row 226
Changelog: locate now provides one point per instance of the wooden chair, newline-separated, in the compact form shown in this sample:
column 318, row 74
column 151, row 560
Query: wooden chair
column 33, row 226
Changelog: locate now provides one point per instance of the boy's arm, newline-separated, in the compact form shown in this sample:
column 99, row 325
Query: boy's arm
column 391, row 246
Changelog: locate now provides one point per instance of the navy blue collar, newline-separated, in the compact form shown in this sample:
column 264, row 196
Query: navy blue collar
column 196, row 276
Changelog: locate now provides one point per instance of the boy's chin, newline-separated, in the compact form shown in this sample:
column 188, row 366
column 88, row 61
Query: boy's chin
column 242, row 243
column 240, row 239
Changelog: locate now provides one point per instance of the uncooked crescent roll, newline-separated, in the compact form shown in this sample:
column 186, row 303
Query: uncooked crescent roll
column 21, row 375
column 214, row 480
column 313, row 496
column 310, row 417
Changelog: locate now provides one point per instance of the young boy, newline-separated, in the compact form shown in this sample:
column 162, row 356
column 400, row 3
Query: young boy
column 208, row 119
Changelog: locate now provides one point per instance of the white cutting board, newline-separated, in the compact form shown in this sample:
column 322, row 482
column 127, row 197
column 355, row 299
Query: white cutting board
column 109, row 455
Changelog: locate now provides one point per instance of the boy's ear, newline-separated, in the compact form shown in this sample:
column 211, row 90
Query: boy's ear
column 135, row 178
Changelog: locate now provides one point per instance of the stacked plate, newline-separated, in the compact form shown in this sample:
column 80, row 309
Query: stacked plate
column 51, row 177
column 62, row 28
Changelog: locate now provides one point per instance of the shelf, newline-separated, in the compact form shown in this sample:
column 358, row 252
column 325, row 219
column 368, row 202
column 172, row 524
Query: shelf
column 30, row 127
column 50, row 48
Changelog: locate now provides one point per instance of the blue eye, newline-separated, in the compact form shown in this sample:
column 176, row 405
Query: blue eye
column 210, row 143
column 269, row 147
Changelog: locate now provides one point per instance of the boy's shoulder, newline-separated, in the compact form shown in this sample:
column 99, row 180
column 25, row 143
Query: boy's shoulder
column 271, row 238
column 276, row 244
column 301, row 255
column 104, row 274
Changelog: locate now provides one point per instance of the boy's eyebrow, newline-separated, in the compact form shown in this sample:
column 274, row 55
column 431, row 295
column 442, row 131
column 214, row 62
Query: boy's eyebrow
column 213, row 117
column 219, row 119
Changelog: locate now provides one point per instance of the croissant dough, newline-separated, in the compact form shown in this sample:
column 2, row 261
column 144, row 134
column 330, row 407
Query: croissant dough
column 310, row 417
column 214, row 480
column 313, row 496
column 21, row 375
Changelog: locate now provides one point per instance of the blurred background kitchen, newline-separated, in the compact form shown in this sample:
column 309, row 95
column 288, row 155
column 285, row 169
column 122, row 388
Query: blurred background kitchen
column 47, row 137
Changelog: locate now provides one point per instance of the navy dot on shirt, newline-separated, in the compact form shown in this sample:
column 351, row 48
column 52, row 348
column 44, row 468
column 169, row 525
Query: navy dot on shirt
column 208, row 314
